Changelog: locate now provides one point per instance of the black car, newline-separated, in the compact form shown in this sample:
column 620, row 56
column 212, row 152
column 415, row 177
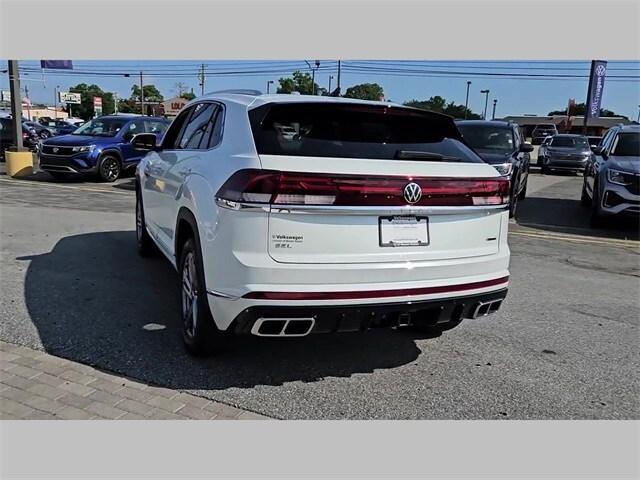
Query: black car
column 502, row 145
column 30, row 139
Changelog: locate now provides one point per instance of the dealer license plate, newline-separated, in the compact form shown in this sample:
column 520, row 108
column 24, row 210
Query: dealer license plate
column 404, row 231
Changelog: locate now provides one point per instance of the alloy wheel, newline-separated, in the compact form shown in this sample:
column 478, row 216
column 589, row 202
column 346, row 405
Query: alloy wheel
column 189, row 295
column 110, row 169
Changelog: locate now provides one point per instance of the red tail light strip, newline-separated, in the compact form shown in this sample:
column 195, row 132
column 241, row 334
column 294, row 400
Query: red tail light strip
column 373, row 293
column 295, row 188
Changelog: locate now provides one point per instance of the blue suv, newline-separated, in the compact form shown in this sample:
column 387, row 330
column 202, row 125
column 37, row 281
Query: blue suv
column 100, row 147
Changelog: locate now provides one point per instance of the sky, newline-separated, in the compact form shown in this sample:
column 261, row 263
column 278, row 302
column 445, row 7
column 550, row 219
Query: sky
column 520, row 87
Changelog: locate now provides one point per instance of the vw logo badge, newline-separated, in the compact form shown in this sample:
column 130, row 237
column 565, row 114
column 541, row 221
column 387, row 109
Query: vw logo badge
column 600, row 69
column 412, row 192
column 55, row 149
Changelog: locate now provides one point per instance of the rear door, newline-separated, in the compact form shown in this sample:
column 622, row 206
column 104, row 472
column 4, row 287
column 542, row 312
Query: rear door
column 361, row 183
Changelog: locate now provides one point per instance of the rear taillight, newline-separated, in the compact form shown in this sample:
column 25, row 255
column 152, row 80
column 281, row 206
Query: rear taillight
column 294, row 188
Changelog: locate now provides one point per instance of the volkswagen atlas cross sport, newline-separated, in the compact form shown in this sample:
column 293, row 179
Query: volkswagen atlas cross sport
column 370, row 214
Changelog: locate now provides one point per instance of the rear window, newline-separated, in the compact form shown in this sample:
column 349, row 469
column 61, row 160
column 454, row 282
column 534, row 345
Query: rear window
column 356, row 131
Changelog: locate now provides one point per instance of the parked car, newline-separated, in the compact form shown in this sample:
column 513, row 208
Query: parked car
column 502, row 145
column 565, row 151
column 373, row 215
column 101, row 146
column 612, row 177
column 542, row 131
column 42, row 131
column 29, row 138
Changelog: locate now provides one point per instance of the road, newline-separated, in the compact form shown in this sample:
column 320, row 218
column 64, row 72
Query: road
column 564, row 346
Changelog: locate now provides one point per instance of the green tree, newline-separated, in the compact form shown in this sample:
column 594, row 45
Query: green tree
column 151, row 93
column 188, row 95
column 579, row 110
column 365, row 91
column 87, row 93
column 298, row 82
column 439, row 104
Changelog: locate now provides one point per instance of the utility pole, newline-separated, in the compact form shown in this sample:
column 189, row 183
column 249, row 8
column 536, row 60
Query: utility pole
column 466, row 102
column 338, row 80
column 55, row 101
column 638, row 120
column 16, row 104
column 330, row 78
column 201, row 78
column 493, row 115
column 141, row 95
column 486, row 101
column 28, row 102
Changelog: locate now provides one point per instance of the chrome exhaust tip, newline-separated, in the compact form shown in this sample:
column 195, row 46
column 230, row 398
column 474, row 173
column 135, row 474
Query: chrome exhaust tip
column 486, row 308
column 283, row 327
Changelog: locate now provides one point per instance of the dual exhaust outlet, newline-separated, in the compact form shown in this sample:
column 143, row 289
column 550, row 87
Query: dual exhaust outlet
column 283, row 327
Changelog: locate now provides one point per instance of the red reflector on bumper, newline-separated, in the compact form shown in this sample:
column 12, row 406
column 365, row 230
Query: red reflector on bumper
column 373, row 293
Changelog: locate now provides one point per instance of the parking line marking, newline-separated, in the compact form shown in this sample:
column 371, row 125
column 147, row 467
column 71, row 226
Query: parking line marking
column 57, row 185
column 572, row 238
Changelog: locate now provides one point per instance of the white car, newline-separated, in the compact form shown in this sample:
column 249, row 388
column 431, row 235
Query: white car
column 374, row 214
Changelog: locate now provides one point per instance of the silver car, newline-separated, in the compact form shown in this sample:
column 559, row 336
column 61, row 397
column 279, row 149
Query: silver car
column 612, row 177
column 564, row 152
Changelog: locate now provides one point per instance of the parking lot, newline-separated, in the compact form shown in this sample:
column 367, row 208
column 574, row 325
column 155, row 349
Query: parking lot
column 564, row 346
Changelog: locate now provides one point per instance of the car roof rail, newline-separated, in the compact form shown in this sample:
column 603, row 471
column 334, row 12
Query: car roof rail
column 237, row 91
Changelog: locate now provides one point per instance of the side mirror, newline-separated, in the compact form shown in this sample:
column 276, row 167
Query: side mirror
column 526, row 147
column 145, row 142
column 597, row 150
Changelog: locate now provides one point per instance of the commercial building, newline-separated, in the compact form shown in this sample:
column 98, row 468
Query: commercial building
column 575, row 124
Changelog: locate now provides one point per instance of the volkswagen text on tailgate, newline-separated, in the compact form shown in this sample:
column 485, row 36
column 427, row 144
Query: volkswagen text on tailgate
column 287, row 215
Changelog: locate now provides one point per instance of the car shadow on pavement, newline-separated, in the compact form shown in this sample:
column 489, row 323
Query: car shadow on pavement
column 95, row 301
column 566, row 215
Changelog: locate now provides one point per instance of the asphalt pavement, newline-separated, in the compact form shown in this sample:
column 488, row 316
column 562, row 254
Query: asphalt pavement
column 564, row 345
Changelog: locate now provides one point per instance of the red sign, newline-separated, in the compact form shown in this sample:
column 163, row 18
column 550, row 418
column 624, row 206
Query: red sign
column 97, row 101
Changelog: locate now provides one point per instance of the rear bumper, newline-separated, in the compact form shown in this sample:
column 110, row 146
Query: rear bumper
column 361, row 317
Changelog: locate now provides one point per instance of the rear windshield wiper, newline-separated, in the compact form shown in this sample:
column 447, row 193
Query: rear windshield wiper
column 418, row 155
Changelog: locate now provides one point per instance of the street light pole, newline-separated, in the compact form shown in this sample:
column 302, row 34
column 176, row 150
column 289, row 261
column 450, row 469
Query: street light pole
column 330, row 78
column 269, row 84
column 55, row 101
column 466, row 102
column 486, row 101
column 493, row 115
column 638, row 120
column 141, row 95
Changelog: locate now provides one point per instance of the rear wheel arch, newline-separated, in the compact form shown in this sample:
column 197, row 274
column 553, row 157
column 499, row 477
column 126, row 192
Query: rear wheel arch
column 186, row 227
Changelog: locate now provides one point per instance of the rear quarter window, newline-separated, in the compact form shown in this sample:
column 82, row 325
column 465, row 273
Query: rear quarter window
column 354, row 131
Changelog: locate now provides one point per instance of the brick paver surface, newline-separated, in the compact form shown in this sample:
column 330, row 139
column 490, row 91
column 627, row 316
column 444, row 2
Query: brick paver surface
column 37, row 386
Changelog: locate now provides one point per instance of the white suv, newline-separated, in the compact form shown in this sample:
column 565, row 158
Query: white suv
column 287, row 215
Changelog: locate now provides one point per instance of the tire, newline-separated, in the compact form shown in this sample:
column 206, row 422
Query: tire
column 585, row 201
column 200, row 335
column 545, row 170
column 596, row 219
column 109, row 168
column 523, row 193
column 513, row 205
column 146, row 247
